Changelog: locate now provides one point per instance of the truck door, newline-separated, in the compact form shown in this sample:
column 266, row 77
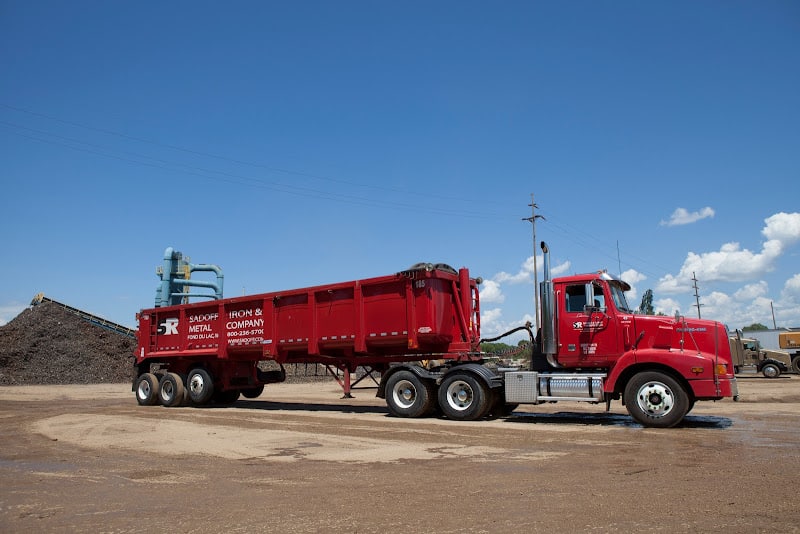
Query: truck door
column 589, row 335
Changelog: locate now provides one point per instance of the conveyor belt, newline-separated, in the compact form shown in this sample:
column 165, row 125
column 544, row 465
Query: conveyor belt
column 94, row 319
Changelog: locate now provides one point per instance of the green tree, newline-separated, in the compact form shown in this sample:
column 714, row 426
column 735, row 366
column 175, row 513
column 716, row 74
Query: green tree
column 755, row 326
column 646, row 307
column 496, row 348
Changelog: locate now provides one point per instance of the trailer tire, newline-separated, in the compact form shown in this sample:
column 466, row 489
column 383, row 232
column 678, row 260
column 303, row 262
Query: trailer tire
column 171, row 390
column 408, row 395
column 199, row 386
column 227, row 397
column 463, row 397
column 770, row 370
column 147, row 389
column 796, row 364
column 655, row 399
column 253, row 393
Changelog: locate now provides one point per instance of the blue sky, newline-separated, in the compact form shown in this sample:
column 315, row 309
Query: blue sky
column 302, row 143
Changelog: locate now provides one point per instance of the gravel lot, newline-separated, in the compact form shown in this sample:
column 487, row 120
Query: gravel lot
column 83, row 458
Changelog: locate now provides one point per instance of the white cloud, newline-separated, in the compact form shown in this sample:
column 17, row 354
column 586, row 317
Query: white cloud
column 791, row 289
column 558, row 270
column 682, row 216
column 633, row 277
column 783, row 227
column 732, row 263
column 520, row 277
column 666, row 306
column 491, row 292
column 524, row 275
column 491, row 322
column 751, row 291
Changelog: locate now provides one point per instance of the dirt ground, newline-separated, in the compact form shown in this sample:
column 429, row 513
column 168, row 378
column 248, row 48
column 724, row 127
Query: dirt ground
column 87, row 458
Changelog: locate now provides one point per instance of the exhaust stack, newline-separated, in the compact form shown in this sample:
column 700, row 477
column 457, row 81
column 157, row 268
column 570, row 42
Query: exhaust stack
column 548, row 341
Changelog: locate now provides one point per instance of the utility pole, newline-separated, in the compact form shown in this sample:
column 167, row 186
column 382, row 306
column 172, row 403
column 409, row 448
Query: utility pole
column 774, row 324
column 532, row 220
column 696, row 295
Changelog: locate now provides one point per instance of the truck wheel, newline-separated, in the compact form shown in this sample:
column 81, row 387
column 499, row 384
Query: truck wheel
column 796, row 364
column 171, row 390
column 463, row 397
column 199, row 386
column 655, row 399
column 499, row 408
column 253, row 393
column 147, row 389
column 770, row 370
column 408, row 395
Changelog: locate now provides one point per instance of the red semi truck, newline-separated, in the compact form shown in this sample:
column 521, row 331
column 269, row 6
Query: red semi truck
column 420, row 329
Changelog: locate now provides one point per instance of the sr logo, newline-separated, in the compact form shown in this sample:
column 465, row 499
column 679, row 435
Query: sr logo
column 168, row 327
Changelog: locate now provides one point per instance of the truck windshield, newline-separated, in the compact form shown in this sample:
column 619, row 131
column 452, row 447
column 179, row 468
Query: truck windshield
column 619, row 298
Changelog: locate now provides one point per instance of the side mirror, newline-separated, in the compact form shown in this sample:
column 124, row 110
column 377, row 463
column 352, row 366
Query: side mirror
column 589, row 307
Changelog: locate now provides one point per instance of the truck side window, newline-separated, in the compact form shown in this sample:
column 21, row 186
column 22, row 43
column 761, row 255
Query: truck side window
column 576, row 298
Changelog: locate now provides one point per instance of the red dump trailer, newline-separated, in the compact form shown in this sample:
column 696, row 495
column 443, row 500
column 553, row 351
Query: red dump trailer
column 421, row 313
column 420, row 329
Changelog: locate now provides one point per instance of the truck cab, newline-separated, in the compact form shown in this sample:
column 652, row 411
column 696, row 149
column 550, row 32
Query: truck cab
column 592, row 347
column 594, row 320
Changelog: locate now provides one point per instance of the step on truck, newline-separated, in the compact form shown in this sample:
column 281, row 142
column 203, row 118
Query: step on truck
column 420, row 330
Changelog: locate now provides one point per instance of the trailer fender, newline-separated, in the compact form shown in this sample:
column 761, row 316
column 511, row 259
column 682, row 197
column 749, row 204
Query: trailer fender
column 416, row 369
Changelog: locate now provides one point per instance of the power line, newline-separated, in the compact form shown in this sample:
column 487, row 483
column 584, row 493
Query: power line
column 228, row 159
column 238, row 179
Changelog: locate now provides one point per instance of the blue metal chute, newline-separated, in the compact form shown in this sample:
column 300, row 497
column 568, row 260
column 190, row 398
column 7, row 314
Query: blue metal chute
column 175, row 274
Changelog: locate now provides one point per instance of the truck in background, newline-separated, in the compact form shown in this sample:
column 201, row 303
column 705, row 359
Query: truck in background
column 790, row 341
column 747, row 353
column 420, row 329
column 784, row 339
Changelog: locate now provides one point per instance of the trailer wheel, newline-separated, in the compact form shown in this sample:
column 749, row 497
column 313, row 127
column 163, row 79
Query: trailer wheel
column 656, row 400
column 147, row 389
column 770, row 370
column 796, row 364
column 171, row 390
column 253, row 393
column 463, row 397
column 408, row 395
column 199, row 386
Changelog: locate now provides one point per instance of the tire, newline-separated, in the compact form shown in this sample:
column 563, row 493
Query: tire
column 463, row 397
column 656, row 400
column 199, row 386
column 796, row 364
column 408, row 395
column 499, row 406
column 147, row 389
column 253, row 393
column 171, row 390
column 227, row 397
column 770, row 370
